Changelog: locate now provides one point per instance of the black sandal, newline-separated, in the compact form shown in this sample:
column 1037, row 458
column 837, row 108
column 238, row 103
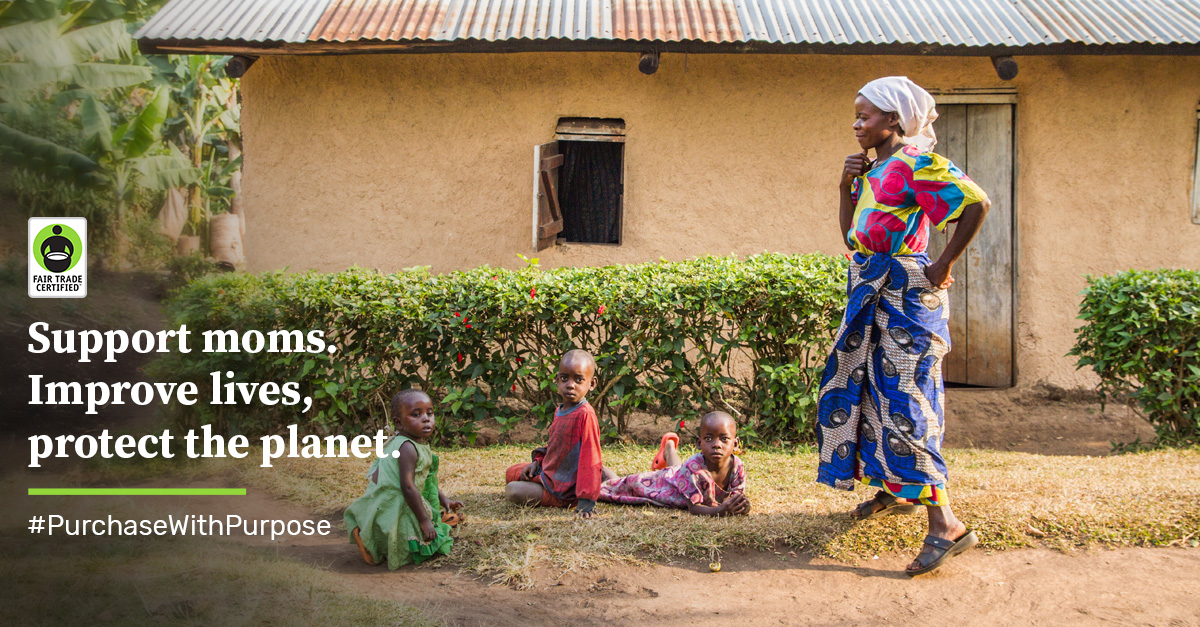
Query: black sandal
column 942, row 550
column 891, row 506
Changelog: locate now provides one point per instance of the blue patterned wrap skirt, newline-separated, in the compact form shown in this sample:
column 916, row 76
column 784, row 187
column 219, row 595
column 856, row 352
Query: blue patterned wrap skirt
column 879, row 417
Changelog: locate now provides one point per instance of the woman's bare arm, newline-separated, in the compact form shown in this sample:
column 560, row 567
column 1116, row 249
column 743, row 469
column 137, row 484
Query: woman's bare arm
column 412, row 494
column 969, row 223
column 856, row 164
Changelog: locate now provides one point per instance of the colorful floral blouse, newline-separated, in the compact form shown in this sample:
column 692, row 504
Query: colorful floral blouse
column 675, row 486
column 904, row 194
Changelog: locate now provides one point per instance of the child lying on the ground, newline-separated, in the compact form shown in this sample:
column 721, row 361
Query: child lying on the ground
column 567, row 471
column 710, row 483
column 396, row 516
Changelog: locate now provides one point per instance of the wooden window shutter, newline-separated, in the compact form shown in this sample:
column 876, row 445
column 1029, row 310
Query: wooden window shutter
column 1196, row 176
column 547, row 215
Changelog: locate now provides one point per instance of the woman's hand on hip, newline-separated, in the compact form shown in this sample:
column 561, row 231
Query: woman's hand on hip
column 939, row 275
column 856, row 166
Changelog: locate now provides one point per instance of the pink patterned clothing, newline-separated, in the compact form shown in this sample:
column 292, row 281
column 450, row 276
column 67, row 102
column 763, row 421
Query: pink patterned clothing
column 677, row 486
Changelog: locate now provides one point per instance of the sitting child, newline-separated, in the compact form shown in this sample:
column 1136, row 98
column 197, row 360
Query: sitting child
column 710, row 483
column 395, row 518
column 567, row 471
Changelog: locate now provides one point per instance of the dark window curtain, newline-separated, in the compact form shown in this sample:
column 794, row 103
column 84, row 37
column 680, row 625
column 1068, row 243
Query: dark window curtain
column 590, row 192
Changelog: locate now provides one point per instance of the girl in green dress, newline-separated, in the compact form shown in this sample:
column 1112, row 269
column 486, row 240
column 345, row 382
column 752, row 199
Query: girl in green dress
column 395, row 517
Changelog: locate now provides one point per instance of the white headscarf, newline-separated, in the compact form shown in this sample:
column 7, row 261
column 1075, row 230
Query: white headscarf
column 914, row 106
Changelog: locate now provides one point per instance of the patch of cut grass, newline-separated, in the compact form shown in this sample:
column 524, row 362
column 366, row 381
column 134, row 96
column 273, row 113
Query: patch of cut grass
column 1011, row 499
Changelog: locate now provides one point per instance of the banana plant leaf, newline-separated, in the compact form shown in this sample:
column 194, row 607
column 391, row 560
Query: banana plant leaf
column 20, row 78
column 144, row 130
column 40, row 155
column 108, row 41
column 97, row 126
column 36, row 42
column 161, row 172
column 97, row 76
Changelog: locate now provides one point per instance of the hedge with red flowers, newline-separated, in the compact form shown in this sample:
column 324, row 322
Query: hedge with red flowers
column 675, row 339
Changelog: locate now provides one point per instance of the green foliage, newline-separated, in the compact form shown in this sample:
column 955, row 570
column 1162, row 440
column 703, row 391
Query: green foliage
column 1141, row 334
column 184, row 269
column 89, row 125
column 746, row 336
column 45, row 157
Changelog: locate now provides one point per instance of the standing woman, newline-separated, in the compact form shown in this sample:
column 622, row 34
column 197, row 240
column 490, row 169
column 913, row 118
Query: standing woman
column 881, row 399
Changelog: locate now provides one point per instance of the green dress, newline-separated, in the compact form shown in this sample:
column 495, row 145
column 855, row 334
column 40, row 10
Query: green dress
column 387, row 526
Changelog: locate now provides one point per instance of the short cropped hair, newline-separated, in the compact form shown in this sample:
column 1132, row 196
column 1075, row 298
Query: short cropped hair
column 717, row 417
column 404, row 397
column 579, row 354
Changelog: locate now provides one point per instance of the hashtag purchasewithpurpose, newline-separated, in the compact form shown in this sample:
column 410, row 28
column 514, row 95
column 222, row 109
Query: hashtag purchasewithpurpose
column 187, row 525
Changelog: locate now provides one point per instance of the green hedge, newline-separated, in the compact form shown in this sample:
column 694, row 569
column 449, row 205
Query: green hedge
column 1141, row 334
column 672, row 338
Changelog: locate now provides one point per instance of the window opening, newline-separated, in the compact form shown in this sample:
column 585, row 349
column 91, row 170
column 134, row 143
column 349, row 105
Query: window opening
column 589, row 191
column 580, row 183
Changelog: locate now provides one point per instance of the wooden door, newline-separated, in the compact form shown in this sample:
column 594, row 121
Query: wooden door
column 979, row 140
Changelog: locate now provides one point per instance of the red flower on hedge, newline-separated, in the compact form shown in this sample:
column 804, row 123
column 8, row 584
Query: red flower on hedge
column 519, row 360
column 681, row 426
column 460, row 358
column 468, row 326
column 514, row 388
column 533, row 292
column 601, row 310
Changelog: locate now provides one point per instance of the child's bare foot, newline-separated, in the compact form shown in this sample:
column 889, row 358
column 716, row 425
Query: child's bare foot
column 366, row 555
column 668, row 452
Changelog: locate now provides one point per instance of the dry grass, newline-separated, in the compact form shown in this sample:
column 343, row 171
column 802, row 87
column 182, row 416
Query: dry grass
column 1012, row 500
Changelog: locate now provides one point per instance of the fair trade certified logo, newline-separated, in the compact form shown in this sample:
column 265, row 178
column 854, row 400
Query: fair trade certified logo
column 57, row 257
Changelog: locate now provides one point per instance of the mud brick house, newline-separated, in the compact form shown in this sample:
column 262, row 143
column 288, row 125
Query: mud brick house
column 454, row 133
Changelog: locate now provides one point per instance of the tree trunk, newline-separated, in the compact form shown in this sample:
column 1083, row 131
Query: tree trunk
column 235, row 183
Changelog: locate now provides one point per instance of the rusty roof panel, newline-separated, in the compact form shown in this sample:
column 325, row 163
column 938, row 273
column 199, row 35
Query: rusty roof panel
column 969, row 23
column 496, row 20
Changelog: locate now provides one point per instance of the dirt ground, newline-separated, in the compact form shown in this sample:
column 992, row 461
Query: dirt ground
column 1125, row 586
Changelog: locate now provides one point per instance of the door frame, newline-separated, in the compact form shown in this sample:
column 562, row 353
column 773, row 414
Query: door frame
column 1000, row 95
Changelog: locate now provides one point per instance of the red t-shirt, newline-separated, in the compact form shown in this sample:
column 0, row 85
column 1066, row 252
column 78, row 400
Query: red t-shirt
column 571, row 460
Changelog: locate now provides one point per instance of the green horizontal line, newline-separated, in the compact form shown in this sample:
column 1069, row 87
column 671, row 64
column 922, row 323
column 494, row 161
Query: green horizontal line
column 137, row 491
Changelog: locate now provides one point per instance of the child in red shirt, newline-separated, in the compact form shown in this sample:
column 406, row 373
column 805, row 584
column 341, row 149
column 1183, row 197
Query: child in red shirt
column 567, row 471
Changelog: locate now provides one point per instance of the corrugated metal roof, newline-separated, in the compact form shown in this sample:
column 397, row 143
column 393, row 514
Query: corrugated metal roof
column 240, row 20
column 949, row 23
column 497, row 20
column 969, row 23
column 1116, row 21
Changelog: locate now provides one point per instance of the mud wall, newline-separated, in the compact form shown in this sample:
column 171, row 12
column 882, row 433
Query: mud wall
column 391, row 161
